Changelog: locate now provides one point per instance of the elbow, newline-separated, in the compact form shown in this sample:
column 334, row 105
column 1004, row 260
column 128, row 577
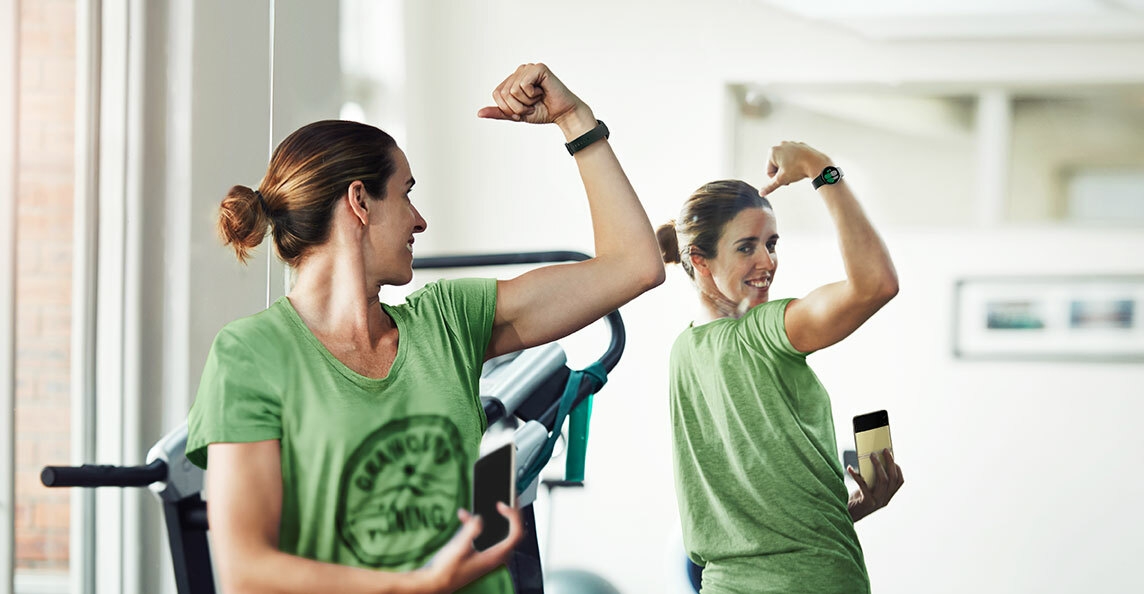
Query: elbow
column 654, row 277
column 878, row 292
column 643, row 274
column 240, row 576
column 888, row 288
column 650, row 275
column 632, row 276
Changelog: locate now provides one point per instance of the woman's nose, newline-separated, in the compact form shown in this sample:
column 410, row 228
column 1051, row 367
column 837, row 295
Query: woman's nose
column 765, row 260
column 419, row 223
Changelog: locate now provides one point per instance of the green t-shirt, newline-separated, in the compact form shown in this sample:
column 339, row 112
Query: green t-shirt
column 758, row 480
column 373, row 470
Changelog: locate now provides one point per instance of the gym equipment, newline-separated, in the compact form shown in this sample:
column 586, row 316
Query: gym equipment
column 533, row 387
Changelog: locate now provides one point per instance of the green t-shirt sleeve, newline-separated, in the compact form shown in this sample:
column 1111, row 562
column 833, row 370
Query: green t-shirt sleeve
column 234, row 403
column 469, row 306
column 766, row 325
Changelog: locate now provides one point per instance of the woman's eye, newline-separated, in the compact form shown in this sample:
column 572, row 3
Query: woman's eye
column 771, row 247
column 747, row 249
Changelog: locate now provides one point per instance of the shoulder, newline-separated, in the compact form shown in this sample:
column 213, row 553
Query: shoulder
column 771, row 314
column 765, row 326
column 466, row 296
column 271, row 323
column 453, row 289
column 272, row 330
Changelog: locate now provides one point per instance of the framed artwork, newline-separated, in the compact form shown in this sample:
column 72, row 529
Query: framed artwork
column 1096, row 318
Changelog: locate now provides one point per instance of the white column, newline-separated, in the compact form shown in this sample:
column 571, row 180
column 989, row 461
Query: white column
column 111, row 291
column 9, row 79
column 81, row 535
column 994, row 124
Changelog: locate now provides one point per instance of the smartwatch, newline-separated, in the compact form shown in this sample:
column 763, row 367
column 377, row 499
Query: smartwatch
column 830, row 175
column 587, row 138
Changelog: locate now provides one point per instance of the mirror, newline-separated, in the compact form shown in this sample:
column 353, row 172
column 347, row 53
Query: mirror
column 959, row 156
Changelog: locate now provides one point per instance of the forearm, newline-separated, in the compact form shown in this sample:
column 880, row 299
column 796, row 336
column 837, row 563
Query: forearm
column 624, row 240
column 276, row 572
column 869, row 270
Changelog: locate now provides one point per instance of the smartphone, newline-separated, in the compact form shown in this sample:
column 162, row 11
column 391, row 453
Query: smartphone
column 871, row 436
column 494, row 479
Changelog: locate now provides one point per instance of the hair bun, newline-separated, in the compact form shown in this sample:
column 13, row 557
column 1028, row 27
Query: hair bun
column 243, row 220
column 668, row 242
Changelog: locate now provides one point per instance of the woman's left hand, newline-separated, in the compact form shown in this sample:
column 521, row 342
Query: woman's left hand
column 866, row 500
column 533, row 94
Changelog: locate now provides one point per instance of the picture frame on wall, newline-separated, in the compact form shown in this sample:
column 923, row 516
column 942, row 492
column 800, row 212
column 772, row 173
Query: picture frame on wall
column 1089, row 318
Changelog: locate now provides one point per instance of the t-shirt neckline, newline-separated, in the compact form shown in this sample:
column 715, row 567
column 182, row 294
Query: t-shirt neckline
column 394, row 313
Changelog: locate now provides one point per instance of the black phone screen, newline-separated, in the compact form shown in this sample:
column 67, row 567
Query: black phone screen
column 494, row 477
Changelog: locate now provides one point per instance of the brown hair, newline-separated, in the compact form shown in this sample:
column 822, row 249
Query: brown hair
column 310, row 170
column 702, row 219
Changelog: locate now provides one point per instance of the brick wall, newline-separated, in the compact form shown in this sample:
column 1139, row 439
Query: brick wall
column 46, row 105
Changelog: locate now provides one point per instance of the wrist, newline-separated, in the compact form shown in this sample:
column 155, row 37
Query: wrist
column 816, row 166
column 427, row 580
column 576, row 122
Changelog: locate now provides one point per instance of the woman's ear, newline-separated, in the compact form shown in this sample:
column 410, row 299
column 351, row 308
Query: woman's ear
column 699, row 263
column 358, row 201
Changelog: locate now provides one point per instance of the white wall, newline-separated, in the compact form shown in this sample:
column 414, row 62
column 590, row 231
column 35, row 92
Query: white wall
column 1019, row 475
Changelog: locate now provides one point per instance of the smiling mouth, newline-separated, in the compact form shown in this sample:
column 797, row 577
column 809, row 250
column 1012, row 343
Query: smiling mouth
column 759, row 283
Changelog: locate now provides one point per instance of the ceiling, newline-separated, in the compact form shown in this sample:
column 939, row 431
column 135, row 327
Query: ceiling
column 976, row 19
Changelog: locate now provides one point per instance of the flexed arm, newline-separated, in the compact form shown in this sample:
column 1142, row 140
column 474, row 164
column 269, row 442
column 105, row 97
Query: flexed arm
column 834, row 311
column 554, row 301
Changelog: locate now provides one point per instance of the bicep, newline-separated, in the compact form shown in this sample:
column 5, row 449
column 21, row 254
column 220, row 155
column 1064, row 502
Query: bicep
column 244, row 494
column 552, row 302
column 826, row 316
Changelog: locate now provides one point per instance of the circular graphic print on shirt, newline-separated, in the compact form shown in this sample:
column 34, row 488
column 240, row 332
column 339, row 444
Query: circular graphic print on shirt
column 400, row 491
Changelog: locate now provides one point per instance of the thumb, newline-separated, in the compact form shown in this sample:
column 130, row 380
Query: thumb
column 493, row 113
column 780, row 179
column 857, row 476
column 775, row 184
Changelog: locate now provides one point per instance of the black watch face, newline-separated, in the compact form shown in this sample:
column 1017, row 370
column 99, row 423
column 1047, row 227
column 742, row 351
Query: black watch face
column 831, row 175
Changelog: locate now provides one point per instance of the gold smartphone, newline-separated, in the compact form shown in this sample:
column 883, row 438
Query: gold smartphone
column 871, row 436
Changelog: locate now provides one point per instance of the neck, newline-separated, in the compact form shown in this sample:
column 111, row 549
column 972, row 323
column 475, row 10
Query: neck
column 334, row 297
column 714, row 306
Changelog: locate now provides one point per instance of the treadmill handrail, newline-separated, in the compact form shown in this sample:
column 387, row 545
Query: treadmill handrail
column 104, row 475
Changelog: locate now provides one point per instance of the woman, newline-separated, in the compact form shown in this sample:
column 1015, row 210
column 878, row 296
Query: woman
column 758, row 482
column 340, row 430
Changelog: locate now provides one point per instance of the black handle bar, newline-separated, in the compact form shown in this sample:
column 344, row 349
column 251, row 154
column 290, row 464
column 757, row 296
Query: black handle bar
column 99, row 475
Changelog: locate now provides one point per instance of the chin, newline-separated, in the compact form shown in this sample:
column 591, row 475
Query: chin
column 399, row 280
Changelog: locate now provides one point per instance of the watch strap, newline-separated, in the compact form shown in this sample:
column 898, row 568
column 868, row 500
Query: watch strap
column 587, row 138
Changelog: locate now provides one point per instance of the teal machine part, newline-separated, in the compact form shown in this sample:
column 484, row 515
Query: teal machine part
column 578, row 423
column 577, row 430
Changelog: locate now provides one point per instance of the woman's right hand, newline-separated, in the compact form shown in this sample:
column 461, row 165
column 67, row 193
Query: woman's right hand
column 533, row 94
column 458, row 563
column 790, row 162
